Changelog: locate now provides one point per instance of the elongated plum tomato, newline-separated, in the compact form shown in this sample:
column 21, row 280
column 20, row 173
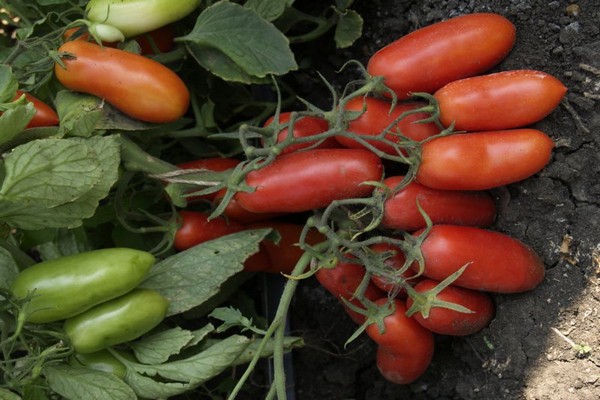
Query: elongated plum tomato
column 303, row 127
column 504, row 100
column 310, row 179
column 390, row 284
column 458, row 207
column 429, row 58
column 237, row 213
column 378, row 116
column 496, row 262
column 134, row 17
column 196, row 228
column 342, row 281
column 451, row 322
column 483, row 160
column 44, row 114
column 405, row 348
column 138, row 86
column 214, row 164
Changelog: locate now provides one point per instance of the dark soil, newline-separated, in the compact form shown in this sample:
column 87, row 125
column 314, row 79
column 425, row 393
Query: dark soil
column 537, row 345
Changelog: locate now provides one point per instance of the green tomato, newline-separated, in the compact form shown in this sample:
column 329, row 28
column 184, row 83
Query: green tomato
column 117, row 321
column 101, row 360
column 70, row 285
column 134, row 17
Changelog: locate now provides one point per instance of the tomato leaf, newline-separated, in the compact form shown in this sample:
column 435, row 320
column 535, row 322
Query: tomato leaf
column 269, row 10
column 187, row 283
column 8, row 84
column 6, row 395
column 78, row 113
column 157, row 348
column 14, row 121
column 348, row 29
column 253, row 44
column 8, row 268
column 75, row 383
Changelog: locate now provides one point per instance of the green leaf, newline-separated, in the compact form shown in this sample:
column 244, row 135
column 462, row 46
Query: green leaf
column 231, row 317
column 78, row 113
column 348, row 29
column 193, row 276
column 8, row 268
column 267, row 9
column 157, row 348
column 64, row 242
column 8, row 84
column 14, row 121
column 6, row 395
column 76, row 383
column 256, row 46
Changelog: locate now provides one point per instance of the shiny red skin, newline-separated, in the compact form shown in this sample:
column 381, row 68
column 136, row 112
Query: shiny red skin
column 310, row 179
column 395, row 261
column 429, row 58
column 342, row 282
column 235, row 212
column 196, row 228
column 378, row 115
column 216, row 164
column 44, row 114
column 497, row 262
column 303, row 127
column 285, row 254
column 405, row 349
column 504, row 100
column 457, row 207
column 483, row 160
column 445, row 321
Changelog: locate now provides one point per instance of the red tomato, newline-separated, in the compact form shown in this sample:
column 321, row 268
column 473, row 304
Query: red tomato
column 427, row 59
column 258, row 262
column 235, row 212
column 285, row 255
column 476, row 208
column 378, row 116
column 303, row 127
column 504, row 100
column 395, row 261
column 153, row 93
column 497, row 262
column 450, row 322
column 216, row 164
column 405, row 348
column 160, row 40
column 310, row 179
column 342, row 282
column 44, row 114
column 196, row 228
column 483, row 160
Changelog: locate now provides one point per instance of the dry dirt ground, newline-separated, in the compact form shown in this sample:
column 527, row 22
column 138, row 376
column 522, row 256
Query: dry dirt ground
column 542, row 345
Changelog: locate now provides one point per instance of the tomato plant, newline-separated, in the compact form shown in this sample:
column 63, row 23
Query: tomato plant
column 430, row 57
column 495, row 262
column 431, row 309
column 310, row 179
column 378, row 115
column 153, row 94
column 456, row 207
column 504, row 100
column 405, row 347
column 116, row 321
column 69, row 285
column 483, row 160
column 303, row 127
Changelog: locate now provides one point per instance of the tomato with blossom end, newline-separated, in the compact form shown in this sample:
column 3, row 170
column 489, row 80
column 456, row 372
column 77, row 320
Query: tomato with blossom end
column 430, row 57
column 483, row 160
column 304, row 126
column 504, row 100
column 495, row 262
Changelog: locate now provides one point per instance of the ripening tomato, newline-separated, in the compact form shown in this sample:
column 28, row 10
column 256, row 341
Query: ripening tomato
column 458, row 207
column 285, row 254
column 496, row 262
column 235, row 212
column 483, row 160
column 303, row 127
column 136, row 85
column 342, row 281
column 428, row 58
column 196, row 228
column 451, row 322
column 405, row 348
column 310, row 179
column 379, row 116
column 213, row 164
column 504, row 100
column 395, row 262
column 44, row 114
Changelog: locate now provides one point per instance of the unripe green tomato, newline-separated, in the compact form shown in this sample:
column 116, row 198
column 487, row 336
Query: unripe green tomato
column 70, row 285
column 134, row 17
column 106, row 33
column 101, row 360
column 117, row 321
